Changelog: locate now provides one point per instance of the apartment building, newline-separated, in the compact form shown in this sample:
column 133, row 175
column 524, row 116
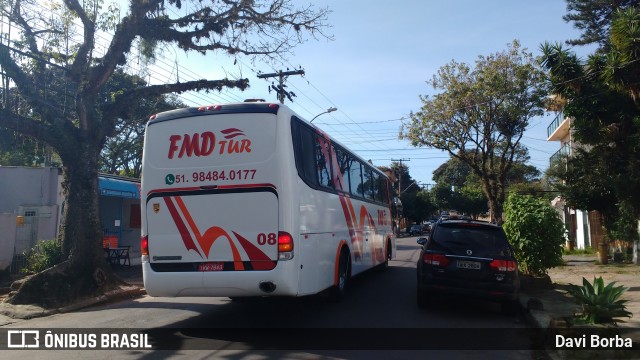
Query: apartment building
column 584, row 226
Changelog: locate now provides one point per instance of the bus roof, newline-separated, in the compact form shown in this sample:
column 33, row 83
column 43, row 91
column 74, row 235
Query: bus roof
column 251, row 107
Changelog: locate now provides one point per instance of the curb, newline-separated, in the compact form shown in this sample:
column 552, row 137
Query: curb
column 537, row 318
column 25, row 312
column 118, row 294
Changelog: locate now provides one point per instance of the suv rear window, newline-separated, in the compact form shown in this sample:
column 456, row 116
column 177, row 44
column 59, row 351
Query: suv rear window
column 481, row 240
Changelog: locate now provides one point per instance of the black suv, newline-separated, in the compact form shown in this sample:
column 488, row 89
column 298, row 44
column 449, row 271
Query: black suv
column 468, row 258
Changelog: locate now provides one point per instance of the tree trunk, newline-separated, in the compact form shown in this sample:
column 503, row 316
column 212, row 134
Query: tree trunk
column 495, row 205
column 85, row 272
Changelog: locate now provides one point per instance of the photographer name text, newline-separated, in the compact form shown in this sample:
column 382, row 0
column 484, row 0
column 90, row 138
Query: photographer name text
column 593, row 342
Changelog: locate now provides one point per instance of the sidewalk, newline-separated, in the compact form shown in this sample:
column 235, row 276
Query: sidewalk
column 130, row 274
column 545, row 308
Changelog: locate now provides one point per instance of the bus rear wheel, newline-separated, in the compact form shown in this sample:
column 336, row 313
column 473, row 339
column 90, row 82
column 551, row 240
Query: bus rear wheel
column 339, row 291
column 385, row 265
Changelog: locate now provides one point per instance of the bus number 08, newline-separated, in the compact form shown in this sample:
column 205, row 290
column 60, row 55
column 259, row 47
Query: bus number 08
column 270, row 239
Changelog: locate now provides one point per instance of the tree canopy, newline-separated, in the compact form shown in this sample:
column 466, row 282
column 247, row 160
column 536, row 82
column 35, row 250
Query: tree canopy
column 594, row 18
column 480, row 115
column 58, row 72
column 602, row 99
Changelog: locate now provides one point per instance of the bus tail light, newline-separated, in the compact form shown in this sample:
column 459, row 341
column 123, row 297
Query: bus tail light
column 144, row 245
column 285, row 246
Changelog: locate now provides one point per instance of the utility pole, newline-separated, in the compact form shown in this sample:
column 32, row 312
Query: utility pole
column 400, row 174
column 401, row 222
column 280, row 87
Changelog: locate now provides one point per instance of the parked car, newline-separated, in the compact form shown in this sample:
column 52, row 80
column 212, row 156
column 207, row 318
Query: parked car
column 415, row 229
column 468, row 259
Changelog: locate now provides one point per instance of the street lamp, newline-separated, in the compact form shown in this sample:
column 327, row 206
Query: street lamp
column 331, row 109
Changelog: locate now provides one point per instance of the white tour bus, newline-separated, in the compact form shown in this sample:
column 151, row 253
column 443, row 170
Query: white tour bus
column 248, row 199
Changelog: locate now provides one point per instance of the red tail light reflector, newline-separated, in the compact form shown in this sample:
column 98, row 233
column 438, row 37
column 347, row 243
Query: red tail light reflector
column 503, row 265
column 285, row 242
column 435, row 259
column 144, row 245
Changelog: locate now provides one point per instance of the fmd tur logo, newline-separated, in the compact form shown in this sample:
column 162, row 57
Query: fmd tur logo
column 23, row 339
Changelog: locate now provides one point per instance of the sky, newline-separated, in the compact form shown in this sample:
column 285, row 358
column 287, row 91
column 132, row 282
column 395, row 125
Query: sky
column 377, row 65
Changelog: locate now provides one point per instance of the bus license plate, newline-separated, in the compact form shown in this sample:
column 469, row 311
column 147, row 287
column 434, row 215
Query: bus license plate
column 210, row 267
column 473, row 265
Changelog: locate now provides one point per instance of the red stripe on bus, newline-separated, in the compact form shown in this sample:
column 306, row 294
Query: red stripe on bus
column 182, row 228
column 207, row 239
column 254, row 253
column 337, row 262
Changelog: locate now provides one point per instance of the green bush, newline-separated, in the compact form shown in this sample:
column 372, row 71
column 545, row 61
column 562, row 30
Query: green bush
column 536, row 233
column 46, row 254
column 600, row 304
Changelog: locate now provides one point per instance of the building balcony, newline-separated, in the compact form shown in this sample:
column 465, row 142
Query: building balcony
column 559, row 128
column 564, row 152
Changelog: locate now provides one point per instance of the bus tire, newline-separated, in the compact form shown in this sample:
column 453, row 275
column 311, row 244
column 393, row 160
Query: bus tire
column 385, row 265
column 339, row 291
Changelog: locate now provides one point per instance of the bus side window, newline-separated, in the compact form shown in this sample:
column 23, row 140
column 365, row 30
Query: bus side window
column 380, row 188
column 303, row 147
column 355, row 177
column 368, row 184
column 344, row 163
column 323, row 161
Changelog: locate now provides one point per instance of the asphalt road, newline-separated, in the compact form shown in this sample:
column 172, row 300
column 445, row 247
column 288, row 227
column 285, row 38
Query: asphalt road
column 378, row 320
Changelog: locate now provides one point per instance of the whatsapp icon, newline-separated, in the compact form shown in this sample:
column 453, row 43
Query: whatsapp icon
column 169, row 179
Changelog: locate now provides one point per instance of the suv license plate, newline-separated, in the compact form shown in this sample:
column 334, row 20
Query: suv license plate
column 473, row 265
column 218, row 266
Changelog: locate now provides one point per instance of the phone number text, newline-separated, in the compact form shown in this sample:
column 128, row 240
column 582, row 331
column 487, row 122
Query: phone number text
column 204, row 176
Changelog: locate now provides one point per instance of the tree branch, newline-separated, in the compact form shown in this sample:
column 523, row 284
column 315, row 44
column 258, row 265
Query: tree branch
column 124, row 100
column 31, row 128
column 82, row 56
column 130, row 27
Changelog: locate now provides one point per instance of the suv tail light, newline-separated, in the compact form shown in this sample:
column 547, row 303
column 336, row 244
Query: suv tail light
column 503, row 265
column 435, row 259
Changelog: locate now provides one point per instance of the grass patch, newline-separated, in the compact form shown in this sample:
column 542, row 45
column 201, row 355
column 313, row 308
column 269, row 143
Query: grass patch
column 586, row 251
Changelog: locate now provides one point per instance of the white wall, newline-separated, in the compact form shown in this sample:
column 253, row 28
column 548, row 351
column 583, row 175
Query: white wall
column 580, row 240
column 32, row 189
column 7, row 238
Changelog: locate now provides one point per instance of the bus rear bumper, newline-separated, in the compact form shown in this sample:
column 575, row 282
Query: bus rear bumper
column 276, row 282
